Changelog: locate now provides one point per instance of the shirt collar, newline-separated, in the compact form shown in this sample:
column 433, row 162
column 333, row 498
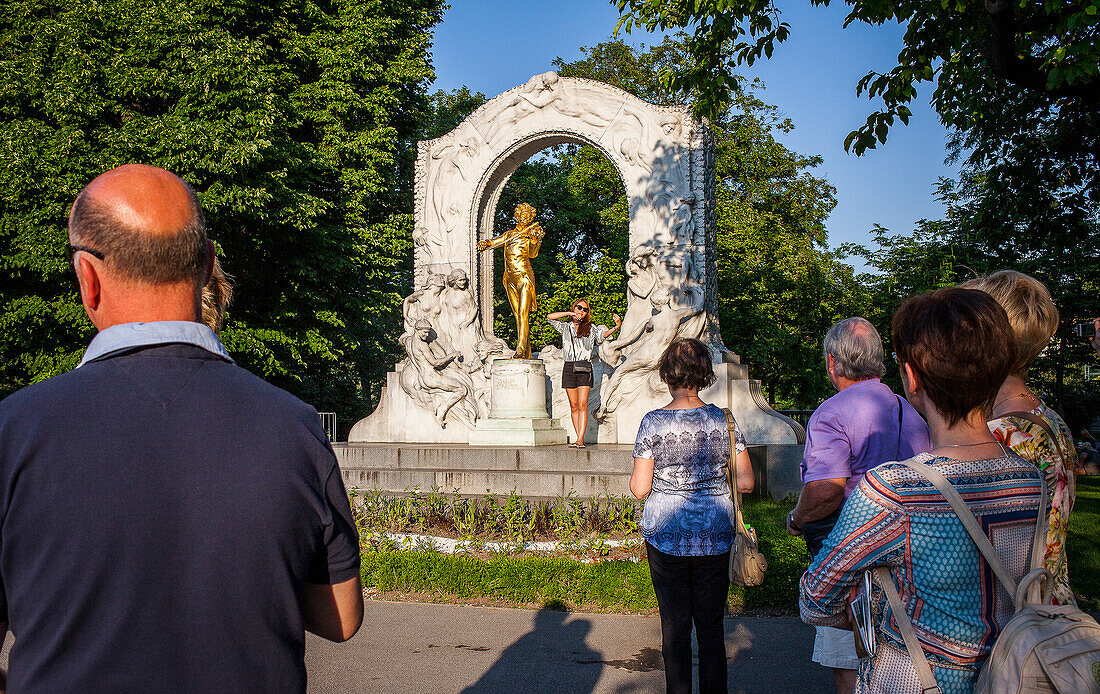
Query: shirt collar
column 868, row 381
column 126, row 336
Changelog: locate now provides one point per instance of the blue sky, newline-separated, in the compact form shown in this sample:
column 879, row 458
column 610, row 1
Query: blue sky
column 494, row 45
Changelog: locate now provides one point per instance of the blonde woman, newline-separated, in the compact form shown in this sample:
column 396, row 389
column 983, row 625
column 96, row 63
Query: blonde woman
column 1034, row 318
column 216, row 296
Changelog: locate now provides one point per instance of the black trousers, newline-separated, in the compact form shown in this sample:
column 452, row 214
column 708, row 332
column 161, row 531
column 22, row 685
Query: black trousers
column 691, row 590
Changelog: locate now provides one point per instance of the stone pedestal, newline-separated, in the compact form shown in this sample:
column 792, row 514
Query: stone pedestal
column 518, row 413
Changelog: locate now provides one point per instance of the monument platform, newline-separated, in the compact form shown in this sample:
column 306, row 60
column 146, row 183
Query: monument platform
column 533, row 472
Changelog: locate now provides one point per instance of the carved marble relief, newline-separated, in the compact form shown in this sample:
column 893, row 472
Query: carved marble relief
column 659, row 153
column 666, row 301
column 449, row 358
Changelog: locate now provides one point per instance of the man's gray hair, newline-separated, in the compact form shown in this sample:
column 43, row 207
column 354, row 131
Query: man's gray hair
column 856, row 348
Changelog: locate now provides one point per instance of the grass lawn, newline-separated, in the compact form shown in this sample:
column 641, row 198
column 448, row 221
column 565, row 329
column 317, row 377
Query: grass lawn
column 1083, row 545
column 624, row 586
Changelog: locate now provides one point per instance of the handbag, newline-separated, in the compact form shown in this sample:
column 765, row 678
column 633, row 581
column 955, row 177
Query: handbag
column 747, row 563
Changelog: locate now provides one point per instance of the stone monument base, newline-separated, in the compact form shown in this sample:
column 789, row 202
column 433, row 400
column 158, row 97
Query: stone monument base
column 531, row 471
column 398, row 418
column 517, row 432
column 518, row 415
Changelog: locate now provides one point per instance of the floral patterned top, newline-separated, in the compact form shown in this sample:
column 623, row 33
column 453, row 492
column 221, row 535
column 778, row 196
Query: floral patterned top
column 1028, row 440
column 689, row 512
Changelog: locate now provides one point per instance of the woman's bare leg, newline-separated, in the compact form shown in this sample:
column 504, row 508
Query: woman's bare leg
column 574, row 411
column 581, row 413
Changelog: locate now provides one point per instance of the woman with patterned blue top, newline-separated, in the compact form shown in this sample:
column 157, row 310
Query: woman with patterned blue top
column 578, row 340
column 680, row 461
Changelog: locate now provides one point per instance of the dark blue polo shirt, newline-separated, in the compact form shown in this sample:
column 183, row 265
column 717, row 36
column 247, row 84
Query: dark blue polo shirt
column 161, row 510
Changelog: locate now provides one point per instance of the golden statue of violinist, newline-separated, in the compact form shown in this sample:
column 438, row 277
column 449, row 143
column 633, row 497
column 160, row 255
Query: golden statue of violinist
column 520, row 245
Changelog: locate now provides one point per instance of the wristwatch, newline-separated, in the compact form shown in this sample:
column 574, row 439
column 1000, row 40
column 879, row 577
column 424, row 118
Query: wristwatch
column 790, row 522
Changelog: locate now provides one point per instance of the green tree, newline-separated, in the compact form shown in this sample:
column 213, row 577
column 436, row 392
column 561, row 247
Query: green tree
column 779, row 287
column 287, row 118
column 944, row 252
column 1016, row 82
column 1048, row 50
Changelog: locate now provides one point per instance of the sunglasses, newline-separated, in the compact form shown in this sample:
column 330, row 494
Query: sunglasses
column 583, row 308
column 90, row 251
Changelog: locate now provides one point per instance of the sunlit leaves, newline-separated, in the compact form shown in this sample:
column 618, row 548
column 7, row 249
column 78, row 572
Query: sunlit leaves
column 293, row 121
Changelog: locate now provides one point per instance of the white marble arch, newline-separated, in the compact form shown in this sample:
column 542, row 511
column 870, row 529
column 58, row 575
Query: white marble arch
column 665, row 159
column 663, row 156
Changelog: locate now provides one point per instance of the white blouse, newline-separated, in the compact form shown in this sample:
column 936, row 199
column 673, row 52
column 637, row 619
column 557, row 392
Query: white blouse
column 575, row 347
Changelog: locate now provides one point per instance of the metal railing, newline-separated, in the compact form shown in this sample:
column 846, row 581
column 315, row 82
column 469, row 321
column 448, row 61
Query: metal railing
column 328, row 423
column 800, row 416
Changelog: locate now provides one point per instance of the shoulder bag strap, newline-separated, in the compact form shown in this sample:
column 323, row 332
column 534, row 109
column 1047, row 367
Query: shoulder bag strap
column 1041, row 423
column 731, row 472
column 908, row 633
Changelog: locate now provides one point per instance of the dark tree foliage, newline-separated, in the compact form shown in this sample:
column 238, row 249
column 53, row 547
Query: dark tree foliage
column 968, row 242
column 286, row 117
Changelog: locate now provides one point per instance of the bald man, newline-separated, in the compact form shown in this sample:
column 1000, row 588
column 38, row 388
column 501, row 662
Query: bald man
column 168, row 522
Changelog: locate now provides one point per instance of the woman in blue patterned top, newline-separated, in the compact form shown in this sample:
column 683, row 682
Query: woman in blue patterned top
column 680, row 460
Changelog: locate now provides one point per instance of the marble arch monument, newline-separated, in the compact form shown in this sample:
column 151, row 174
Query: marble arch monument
column 665, row 160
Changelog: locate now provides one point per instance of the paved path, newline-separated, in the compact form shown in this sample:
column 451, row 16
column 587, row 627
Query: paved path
column 415, row 647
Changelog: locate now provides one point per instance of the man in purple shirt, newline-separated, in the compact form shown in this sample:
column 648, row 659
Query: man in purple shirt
column 865, row 424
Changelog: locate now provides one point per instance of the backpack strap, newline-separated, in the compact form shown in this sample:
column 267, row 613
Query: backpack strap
column 908, row 633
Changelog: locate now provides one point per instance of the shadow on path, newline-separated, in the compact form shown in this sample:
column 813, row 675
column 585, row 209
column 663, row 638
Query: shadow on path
column 764, row 656
column 551, row 657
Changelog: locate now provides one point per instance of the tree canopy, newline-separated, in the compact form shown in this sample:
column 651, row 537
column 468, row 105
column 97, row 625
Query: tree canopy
column 1049, row 51
column 289, row 119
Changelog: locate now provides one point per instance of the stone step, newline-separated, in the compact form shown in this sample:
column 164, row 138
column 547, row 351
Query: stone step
column 602, row 459
column 527, row 483
column 535, row 471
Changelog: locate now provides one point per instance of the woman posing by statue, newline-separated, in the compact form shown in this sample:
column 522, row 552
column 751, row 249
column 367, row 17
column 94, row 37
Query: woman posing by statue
column 578, row 338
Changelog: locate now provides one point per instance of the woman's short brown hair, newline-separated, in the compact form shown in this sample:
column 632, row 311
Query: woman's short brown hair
column 960, row 345
column 1031, row 311
column 686, row 364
